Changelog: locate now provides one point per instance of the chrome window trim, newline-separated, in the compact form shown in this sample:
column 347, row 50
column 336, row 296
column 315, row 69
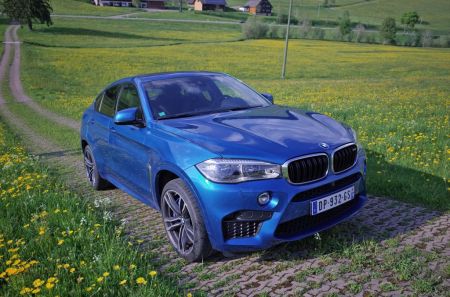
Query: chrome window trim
column 339, row 148
column 285, row 171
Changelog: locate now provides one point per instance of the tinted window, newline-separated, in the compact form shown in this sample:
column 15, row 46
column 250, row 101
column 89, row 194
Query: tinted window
column 192, row 95
column 98, row 101
column 128, row 98
column 108, row 105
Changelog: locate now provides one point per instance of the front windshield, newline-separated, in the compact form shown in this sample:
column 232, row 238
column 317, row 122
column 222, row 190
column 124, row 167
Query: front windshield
column 199, row 94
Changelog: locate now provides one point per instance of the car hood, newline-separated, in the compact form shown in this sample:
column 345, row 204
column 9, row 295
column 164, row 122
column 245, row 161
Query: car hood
column 272, row 133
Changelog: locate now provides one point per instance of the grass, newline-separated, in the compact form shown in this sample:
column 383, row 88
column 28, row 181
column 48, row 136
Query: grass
column 53, row 242
column 398, row 107
column 83, row 7
column 126, row 34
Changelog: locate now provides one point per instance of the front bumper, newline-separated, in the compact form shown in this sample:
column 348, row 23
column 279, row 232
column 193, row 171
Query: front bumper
column 289, row 208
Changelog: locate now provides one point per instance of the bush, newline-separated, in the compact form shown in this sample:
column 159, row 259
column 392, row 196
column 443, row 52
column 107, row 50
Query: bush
column 388, row 31
column 274, row 32
column 443, row 41
column 254, row 29
column 345, row 25
column 283, row 19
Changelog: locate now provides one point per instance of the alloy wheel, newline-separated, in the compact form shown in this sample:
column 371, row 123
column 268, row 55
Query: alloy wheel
column 178, row 222
column 90, row 166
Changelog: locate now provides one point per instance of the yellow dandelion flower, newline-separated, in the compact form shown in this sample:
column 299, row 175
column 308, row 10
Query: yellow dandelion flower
column 189, row 294
column 105, row 274
column 132, row 266
column 152, row 273
column 38, row 282
column 88, row 289
column 116, row 267
column 25, row 291
column 35, row 291
column 49, row 286
column 123, row 282
column 141, row 281
column 11, row 271
column 100, row 279
column 61, row 241
column 72, row 270
column 52, row 280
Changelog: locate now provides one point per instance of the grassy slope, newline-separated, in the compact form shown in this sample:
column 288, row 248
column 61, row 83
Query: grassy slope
column 435, row 12
column 405, row 138
column 82, row 7
column 52, row 242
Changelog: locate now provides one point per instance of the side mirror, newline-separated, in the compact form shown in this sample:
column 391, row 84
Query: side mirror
column 128, row 117
column 268, row 97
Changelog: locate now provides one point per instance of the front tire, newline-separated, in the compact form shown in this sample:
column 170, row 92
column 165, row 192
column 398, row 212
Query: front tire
column 183, row 221
column 94, row 178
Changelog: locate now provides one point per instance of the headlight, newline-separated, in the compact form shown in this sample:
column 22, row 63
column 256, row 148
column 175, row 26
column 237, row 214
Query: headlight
column 235, row 170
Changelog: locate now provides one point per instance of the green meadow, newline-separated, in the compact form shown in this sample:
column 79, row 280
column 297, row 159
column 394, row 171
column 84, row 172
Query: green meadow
column 398, row 107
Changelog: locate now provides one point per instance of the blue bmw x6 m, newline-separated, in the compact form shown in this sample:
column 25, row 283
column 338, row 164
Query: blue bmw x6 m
column 228, row 169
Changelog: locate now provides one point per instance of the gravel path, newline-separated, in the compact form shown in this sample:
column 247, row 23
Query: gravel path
column 15, row 83
column 386, row 250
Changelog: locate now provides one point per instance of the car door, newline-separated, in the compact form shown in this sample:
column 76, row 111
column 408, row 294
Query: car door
column 130, row 157
column 99, row 126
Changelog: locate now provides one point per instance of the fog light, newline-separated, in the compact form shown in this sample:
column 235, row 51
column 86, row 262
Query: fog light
column 264, row 198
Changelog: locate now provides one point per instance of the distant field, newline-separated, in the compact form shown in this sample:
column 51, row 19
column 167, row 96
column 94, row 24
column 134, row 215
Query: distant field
column 399, row 107
column 124, row 33
column 83, row 7
column 435, row 12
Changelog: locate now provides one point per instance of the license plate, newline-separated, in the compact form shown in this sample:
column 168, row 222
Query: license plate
column 332, row 201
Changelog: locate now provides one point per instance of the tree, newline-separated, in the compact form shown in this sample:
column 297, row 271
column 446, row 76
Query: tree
column 27, row 11
column 345, row 25
column 136, row 3
column 388, row 30
column 410, row 19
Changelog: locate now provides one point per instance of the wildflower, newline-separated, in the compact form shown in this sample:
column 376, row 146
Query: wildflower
column 88, row 289
column 105, row 274
column 61, row 241
column 41, row 231
column 141, row 281
column 72, row 270
column 57, row 210
column 11, row 271
column 26, row 226
column 38, row 282
column 25, row 290
column 35, row 291
column 152, row 273
column 189, row 294
column 80, row 279
column 123, row 282
column 49, row 286
column 116, row 267
column 52, row 280
column 100, row 279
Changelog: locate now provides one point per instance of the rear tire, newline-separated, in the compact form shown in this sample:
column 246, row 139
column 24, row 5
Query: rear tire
column 183, row 222
column 94, row 178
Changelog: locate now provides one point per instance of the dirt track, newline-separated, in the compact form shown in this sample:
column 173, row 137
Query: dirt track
column 303, row 267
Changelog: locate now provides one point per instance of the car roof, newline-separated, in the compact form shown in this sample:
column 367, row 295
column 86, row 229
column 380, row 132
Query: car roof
column 162, row 75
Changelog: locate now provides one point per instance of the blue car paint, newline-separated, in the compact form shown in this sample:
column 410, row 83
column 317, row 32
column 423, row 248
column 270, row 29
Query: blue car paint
column 274, row 134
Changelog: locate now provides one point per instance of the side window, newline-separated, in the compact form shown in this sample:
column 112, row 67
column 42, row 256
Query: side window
column 128, row 98
column 108, row 105
column 98, row 101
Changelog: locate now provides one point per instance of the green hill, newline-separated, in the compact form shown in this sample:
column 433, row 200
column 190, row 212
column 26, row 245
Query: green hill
column 435, row 13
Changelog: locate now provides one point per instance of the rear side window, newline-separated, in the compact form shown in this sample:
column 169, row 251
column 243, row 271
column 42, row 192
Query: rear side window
column 98, row 101
column 108, row 105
